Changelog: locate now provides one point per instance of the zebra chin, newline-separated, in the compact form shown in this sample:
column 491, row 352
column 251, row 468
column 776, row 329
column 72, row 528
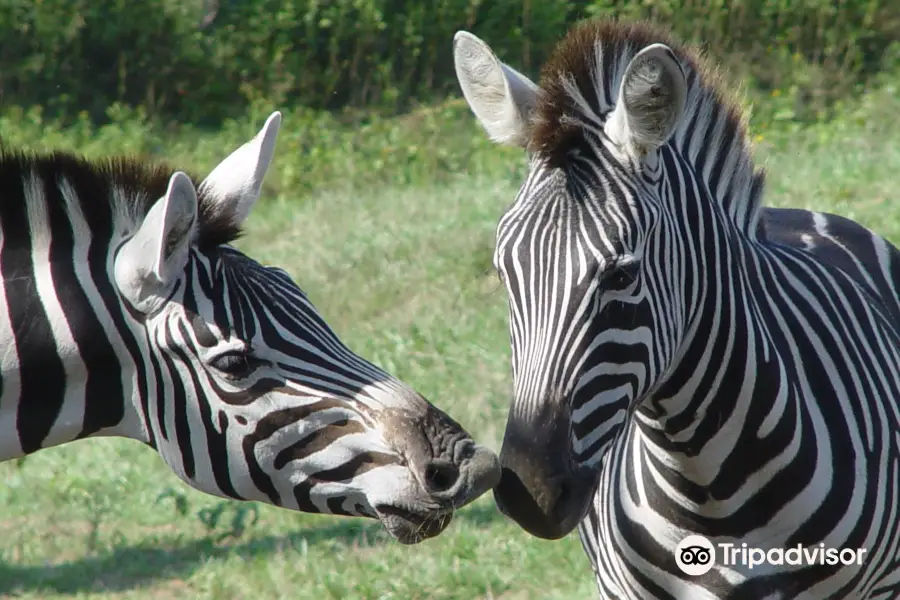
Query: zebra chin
column 411, row 528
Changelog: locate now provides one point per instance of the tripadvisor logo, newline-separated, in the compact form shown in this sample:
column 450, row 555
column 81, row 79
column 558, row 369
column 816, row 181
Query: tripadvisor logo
column 695, row 555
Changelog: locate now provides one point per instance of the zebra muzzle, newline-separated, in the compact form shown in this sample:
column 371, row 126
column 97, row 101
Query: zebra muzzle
column 411, row 528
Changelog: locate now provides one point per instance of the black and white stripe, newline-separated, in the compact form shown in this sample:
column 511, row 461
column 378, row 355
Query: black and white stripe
column 125, row 311
column 685, row 361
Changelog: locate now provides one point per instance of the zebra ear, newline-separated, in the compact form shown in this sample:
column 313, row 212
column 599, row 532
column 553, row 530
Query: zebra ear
column 236, row 182
column 501, row 98
column 651, row 101
column 148, row 265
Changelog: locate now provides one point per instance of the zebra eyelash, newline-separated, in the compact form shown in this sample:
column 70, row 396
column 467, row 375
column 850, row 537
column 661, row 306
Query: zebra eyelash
column 236, row 364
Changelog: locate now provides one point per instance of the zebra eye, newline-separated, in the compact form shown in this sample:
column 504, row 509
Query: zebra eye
column 235, row 364
column 621, row 277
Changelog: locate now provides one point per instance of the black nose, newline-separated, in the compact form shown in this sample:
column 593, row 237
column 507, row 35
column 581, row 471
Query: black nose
column 549, row 508
column 440, row 476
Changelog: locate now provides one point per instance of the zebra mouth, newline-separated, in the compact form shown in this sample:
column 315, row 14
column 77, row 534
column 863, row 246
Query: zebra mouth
column 411, row 528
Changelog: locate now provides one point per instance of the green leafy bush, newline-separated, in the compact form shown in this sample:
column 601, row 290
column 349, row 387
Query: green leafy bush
column 74, row 56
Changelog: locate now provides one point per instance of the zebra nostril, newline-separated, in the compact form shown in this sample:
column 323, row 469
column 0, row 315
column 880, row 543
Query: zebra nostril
column 440, row 477
column 564, row 498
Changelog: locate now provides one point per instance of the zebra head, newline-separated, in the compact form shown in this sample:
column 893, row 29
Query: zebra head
column 247, row 393
column 592, row 267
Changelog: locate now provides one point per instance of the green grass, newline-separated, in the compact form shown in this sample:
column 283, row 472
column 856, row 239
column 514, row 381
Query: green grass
column 403, row 274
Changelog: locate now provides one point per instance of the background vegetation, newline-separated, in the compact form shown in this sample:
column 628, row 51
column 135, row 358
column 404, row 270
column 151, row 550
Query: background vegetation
column 85, row 55
column 380, row 169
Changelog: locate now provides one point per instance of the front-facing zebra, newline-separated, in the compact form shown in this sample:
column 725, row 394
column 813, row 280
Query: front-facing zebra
column 684, row 362
column 125, row 312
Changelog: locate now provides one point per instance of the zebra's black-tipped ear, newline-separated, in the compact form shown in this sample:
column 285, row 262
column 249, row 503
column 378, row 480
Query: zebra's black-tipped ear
column 651, row 101
column 502, row 99
column 148, row 265
column 237, row 181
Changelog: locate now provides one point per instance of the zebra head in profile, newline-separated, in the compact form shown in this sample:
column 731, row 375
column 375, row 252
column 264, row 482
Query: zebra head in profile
column 685, row 362
column 125, row 311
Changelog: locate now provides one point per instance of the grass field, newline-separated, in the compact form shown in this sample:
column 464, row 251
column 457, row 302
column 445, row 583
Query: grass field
column 404, row 275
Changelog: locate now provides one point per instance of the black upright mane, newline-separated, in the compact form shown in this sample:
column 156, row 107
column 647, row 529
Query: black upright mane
column 105, row 187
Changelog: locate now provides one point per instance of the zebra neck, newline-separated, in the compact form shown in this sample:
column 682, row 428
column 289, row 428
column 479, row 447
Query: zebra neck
column 727, row 379
column 74, row 364
column 37, row 411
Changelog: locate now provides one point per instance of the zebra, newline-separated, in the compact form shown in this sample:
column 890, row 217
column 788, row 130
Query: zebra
column 685, row 361
column 126, row 311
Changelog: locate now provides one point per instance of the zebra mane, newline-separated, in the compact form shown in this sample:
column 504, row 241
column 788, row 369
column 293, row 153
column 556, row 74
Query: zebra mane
column 108, row 190
column 712, row 135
